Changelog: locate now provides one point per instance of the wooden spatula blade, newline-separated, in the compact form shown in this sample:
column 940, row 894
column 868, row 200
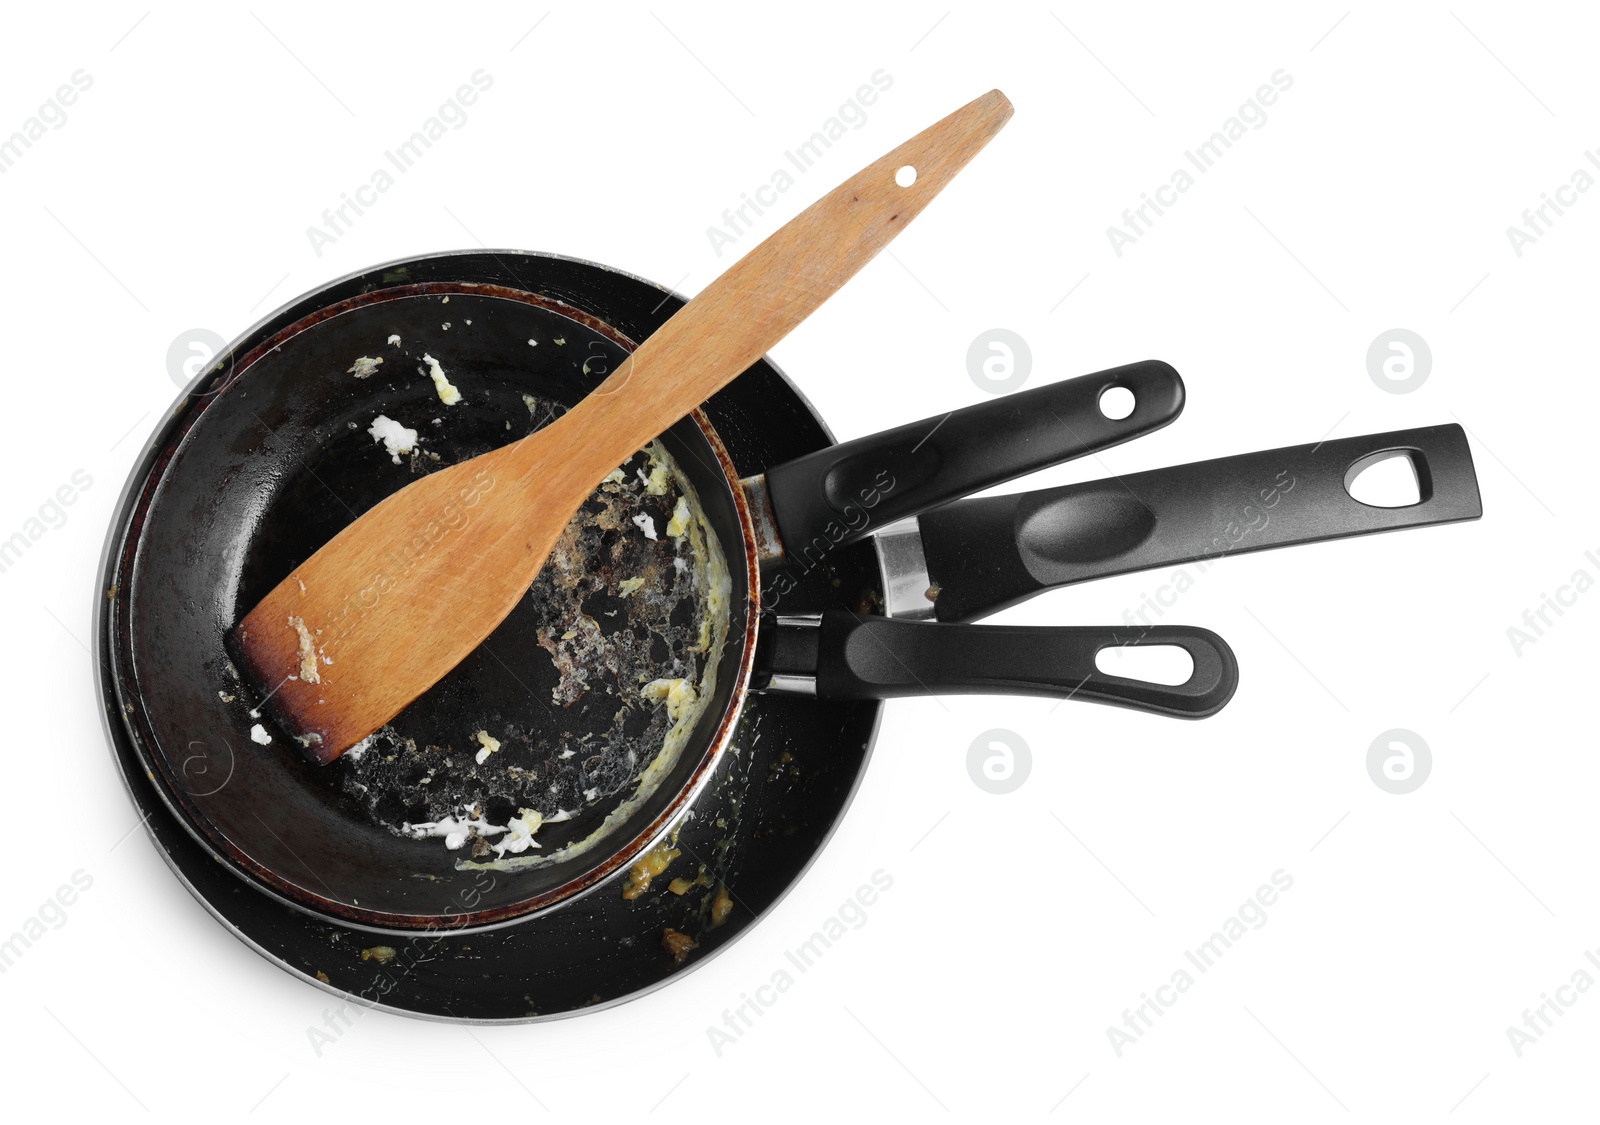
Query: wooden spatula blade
column 399, row 597
column 340, row 642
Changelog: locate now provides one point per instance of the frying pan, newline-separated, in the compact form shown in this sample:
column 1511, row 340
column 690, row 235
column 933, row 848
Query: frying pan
column 272, row 457
column 279, row 426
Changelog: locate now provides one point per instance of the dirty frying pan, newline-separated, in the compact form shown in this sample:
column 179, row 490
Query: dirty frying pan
column 758, row 824
column 837, row 557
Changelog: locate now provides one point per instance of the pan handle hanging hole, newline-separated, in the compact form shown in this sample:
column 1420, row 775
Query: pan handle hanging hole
column 905, row 175
column 1168, row 665
column 1389, row 478
column 1116, row 403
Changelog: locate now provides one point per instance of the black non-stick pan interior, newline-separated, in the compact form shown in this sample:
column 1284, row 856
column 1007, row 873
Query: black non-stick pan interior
column 272, row 457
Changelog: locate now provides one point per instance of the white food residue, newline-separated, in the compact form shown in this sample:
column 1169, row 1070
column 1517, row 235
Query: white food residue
column 457, row 829
column 365, row 366
column 441, row 383
column 395, row 341
column 397, row 439
column 489, row 743
column 519, row 833
column 308, row 652
column 258, row 733
column 646, row 525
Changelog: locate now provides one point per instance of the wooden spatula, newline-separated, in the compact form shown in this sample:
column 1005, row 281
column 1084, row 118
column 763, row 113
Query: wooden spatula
column 403, row 594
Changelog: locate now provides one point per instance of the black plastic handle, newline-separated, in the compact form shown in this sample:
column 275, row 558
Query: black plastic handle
column 866, row 657
column 843, row 493
column 988, row 553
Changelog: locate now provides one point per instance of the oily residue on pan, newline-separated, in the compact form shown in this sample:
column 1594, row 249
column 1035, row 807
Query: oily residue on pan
column 632, row 610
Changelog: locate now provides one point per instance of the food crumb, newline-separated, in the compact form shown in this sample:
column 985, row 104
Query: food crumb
column 519, row 833
column 397, row 439
column 679, row 945
column 679, row 523
column 448, row 394
column 628, row 586
column 395, row 340
column 258, row 733
column 678, row 694
column 656, row 483
column 382, row 954
column 489, row 743
column 651, row 864
column 365, row 366
column 646, row 524
column 308, row 652
column 721, row 905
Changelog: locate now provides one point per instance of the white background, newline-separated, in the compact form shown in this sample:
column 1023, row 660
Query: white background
column 1377, row 195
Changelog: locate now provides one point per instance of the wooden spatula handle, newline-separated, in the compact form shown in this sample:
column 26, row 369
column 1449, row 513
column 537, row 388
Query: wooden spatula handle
column 394, row 601
column 769, row 291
